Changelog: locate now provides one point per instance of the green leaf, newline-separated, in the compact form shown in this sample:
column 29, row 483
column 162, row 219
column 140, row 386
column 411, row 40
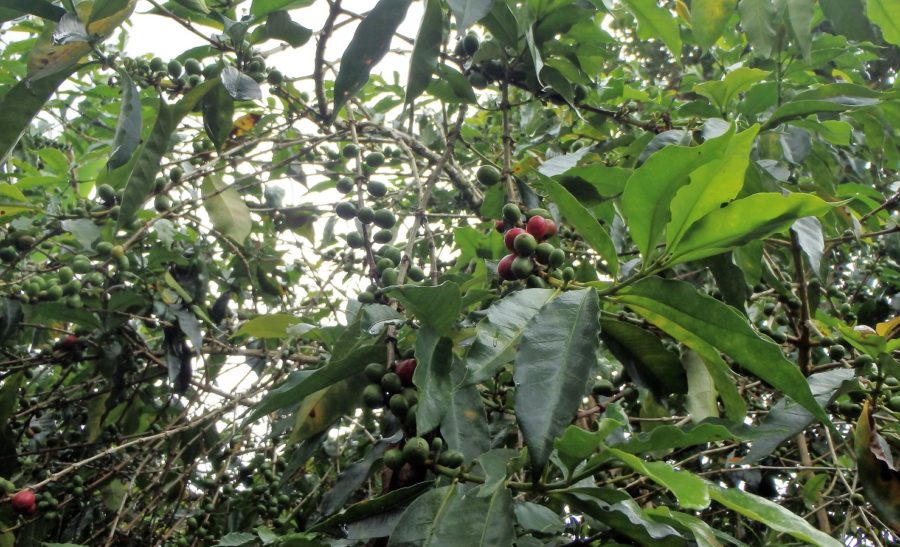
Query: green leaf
column 848, row 18
column 435, row 307
column 751, row 218
column 712, row 184
column 353, row 476
column 280, row 26
column 558, row 351
column 227, row 210
column 771, row 514
column 128, row 128
column 265, row 7
column 656, row 23
column 468, row 12
column 644, row 357
column 198, row 6
column 702, row 398
column 886, row 16
column 451, row 86
column 698, row 320
column 690, row 489
column 370, row 43
column 703, row 534
column 373, row 506
column 651, row 187
column 708, row 19
column 464, row 426
column 537, row 518
column 239, row 85
column 236, row 539
column 9, row 395
column 140, row 173
column 758, row 21
column 268, row 326
column 446, row 516
column 319, row 411
column 423, row 61
column 800, row 108
column 722, row 92
column 799, row 17
column 497, row 335
column 786, row 418
column 40, row 8
column 218, row 114
column 106, row 8
column 20, row 105
column 434, row 356
column 671, row 437
column 582, row 220
column 304, row 383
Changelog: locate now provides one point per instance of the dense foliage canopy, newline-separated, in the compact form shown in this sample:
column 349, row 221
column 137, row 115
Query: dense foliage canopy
column 587, row 272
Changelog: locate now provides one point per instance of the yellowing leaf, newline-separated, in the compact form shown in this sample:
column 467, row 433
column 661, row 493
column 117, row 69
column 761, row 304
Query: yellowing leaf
column 889, row 329
column 879, row 478
column 48, row 57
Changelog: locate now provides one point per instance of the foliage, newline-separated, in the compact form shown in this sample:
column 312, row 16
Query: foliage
column 596, row 272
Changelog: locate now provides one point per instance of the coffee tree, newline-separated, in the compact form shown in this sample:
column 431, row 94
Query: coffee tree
column 587, row 272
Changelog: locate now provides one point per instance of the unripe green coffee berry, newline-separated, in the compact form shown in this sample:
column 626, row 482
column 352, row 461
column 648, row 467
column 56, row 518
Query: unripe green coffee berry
column 374, row 372
column 383, row 236
column 393, row 459
column 345, row 209
column 344, row 186
column 372, row 396
column 365, row 215
column 557, row 258
column 374, row 159
column 415, row 451
column 524, row 244
column 522, row 266
column 376, row 188
column 384, row 219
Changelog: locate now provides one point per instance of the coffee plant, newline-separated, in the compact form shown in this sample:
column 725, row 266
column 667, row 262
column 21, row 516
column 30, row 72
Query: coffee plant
column 490, row 272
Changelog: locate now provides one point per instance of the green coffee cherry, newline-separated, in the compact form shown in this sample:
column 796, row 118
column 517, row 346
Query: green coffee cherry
column 355, row 240
column 174, row 68
column 415, row 451
column 372, row 396
column 384, row 219
column 365, row 215
column 557, row 258
column 374, row 372
column 345, row 209
column 376, row 188
column 522, row 267
column 416, row 273
column 374, row 159
column 383, row 236
column 393, row 459
column 344, row 186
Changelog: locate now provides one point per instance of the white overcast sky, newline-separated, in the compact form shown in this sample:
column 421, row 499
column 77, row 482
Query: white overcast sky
column 162, row 37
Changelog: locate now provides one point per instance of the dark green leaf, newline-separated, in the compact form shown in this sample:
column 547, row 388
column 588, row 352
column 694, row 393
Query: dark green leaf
column 464, row 425
column 373, row 506
column 656, row 23
column 280, row 26
column 644, row 357
column 848, row 17
column 758, row 21
column 537, row 518
column 218, row 113
column 302, row 384
column 558, row 351
column 435, row 307
column 708, row 19
column 696, row 320
column 140, row 173
column 370, row 43
column 128, row 128
column 452, row 86
column 236, row 539
column 353, row 477
column 264, row 7
column 468, row 12
column 801, row 108
column 582, row 220
column 19, row 105
column 434, row 356
column 799, row 18
column 106, row 8
column 446, row 516
column 497, row 335
column 786, row 418
column 9, row 395
column 423, row 61
column 40, row 8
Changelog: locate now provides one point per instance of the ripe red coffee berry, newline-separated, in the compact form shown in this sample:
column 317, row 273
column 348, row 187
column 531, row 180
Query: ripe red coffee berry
column 510, row 237
column 504, row 268
column 551, row 229
column 68, row 342
column 537, row 227
column 405, row 369
column 24, row 502
column 500, row 226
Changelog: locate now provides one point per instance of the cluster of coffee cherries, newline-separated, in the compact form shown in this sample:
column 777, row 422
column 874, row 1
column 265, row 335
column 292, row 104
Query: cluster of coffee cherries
column 393, row 389
column 530, row 251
